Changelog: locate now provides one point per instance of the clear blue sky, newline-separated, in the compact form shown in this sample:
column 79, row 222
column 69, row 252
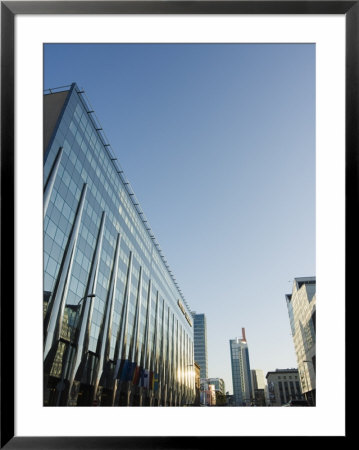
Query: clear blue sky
column 218, row 143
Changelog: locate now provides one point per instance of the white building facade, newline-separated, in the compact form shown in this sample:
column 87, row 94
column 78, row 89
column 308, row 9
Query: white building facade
column 258, row 387
column 301, row 306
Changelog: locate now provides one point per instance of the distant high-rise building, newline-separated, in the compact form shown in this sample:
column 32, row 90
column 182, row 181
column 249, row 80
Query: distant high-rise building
column 283, row 386
column 241, row 372
column 200, row 342
column 197, row 371
column 218, row 384
column 257, row 379
column 207, row 393
column 258, row 387
column 266, row 395
column 301, row 306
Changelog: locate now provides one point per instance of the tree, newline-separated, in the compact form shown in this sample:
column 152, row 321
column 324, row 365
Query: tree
column 221, row 399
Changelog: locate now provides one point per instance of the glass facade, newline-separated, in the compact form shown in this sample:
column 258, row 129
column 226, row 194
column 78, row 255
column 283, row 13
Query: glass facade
column 116, row 327
column 241, row 372
column 200, row 343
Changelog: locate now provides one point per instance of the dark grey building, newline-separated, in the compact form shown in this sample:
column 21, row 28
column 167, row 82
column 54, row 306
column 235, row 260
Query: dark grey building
column 117, row 329
column 283, row 386
column 200, row 343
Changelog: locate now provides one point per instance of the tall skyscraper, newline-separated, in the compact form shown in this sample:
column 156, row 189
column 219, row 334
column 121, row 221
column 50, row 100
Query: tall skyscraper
column 241, row 371
column 301, row 304
column 200, row 342
column 117, row 330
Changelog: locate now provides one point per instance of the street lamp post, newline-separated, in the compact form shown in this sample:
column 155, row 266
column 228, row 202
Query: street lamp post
column 61, row 384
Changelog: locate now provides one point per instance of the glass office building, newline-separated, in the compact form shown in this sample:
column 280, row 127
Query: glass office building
column 241, row 371
column 117, row 329
column 200, row 343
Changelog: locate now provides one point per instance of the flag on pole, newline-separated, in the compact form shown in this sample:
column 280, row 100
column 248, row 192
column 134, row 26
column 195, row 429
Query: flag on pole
column 116, row 372
column 144, row 381
column 155, row 382
column 131, row 371
column 124, row 368
column 136, row 375
column 150, row 380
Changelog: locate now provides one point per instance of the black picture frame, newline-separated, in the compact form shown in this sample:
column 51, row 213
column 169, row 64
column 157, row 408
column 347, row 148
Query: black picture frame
column 9, row 9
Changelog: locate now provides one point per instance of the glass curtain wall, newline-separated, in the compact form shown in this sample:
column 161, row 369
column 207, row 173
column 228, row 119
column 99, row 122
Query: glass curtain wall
column 113, row 331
